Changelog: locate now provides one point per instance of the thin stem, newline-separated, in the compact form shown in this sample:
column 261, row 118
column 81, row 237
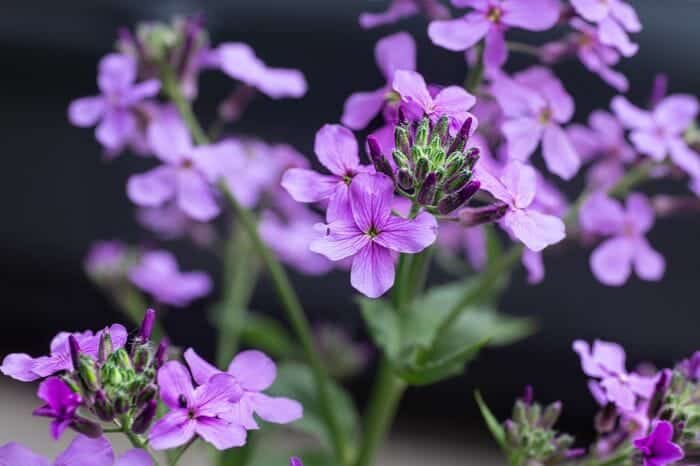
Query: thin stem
column 476, row 74
column 524, row 48
column 138, row 442
column 171, row 88
column 297, row 318
column 176, row 458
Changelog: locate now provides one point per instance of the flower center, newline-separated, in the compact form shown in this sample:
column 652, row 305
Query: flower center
column 545, row 116
column 347, row 178
column 186, row 163
column 494, row 14
column 372, row 233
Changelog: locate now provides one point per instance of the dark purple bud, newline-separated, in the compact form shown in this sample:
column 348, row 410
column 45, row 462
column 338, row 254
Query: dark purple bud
column 606, row 419
column 161, row 353
column 550, row 416
column 422, row 167
column 460, row 140
column 473, row 216
column 86, row 427
column 147, row 394
column 455, row 201
column 145, row 418
column 103, row 407
column 657, row 398
column 378, row 160
column 121, row 403
column 402, row 116
column 426, row 194
column 74, row 351
column 457, row 182
column 106, row 347
column 528, row 395
column 473, row 155
column 406, row 180
column 659, row 89
column 454, row 163
column 146, row 328
column 573, row 453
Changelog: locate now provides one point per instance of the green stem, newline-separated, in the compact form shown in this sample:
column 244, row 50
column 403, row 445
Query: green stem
column 524, row 48
column 297, row 319
column 176, row 458
column 138, row 442
column 476, row 74
column 171, row 88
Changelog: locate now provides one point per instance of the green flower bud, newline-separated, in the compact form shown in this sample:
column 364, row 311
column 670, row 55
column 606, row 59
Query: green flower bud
column 454, row 163
column 122, row 359
column 400, row 159
column 551, row 415
column 422, row 168
column 422, row 132
column 105, row 346
column 441, row 130
column 402, row 139
column 88, row 373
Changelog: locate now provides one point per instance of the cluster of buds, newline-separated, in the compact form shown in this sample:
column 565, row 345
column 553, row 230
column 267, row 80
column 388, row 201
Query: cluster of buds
column 530, row 436
column 433, row 169
column 680, row 405
column 119, row 386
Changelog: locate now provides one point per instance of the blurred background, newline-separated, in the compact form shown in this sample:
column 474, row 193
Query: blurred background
column 57, row 195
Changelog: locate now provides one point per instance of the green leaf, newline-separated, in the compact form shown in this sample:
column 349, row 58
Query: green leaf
column 268, row 335
column 491, row 422
column 295, row 381
column 383, row 325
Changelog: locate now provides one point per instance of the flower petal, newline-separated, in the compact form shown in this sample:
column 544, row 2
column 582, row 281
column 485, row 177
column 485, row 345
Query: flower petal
column 309, row 186
column 336, row 148
column 116, row 129
column 521, row 181
column 558, row 152
column 412, row 89
column 495, row 48
column 220, row 433
column 216, row 396
column 592, row 10
column 601, row 214
column 172, row 430
column 19, row 366
column 168, row 136
column 630, row 115
column 343, row 239
column 141, row 91
column 459, row 34
column 523, row 136
column 533, row 15
column 86, row 111
column 685, row 157
column 395, row 52
column 153, row 188
column 14, row 454
column 279, row 410
column 611, row 33
column 648, row 263
column 626, row 15
column 362, row 107
column 650, row 143
column 676, row 112
column 534, row 229
column 195, row 196
column 116, row 72
column 84, row 451
column 373, row 270
column 409, row 236
column 201, row 370
column 134, row 457
column 455, row 102
column 618, row 393
column 174, row 380
column 254, row 370
column 611, row 262
column 534, row 265
column 371, row 198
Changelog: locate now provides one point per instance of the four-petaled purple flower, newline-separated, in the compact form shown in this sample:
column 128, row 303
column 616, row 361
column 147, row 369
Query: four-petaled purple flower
column 536, row 104
column 113, row 108
column 252, row 372
column 597, row 56
column 23, row 367
column 517, row 187
column 605, row 362
column 399, row 9
column 615, row 19
column 489, row 21
column 196, row 411
column 657, row 448
column 371, row 235
column 62, row 403
column 660, row 132
column 392, row 53
column 612, row 261
column 336, row 149
column 157, row 273
column 82, row 451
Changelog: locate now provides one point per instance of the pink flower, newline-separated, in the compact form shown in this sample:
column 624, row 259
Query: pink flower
column 392, row 53
column 516, row 187
column 659, row 132
column 613, row 260
column 62, row 405
column 371, row 235
column 536, row 104
column 615, row 19
column 658, row 448
column 399, row 9
column 489, row 20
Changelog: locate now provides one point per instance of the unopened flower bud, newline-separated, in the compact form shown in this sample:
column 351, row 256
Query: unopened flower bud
column 458, row 181
column 441, row 130
column 473, row 155
column 473, row 216
column 533, row 413
column 460, row 140
column 147, row 394
column 519, row 412
column 105, row 348
column 563, row 442
column 606, row 419
column 454, row 163
column 422, row 132
column 71, row 382
column 551, row 415
column 74, row 347
column 145, row 418
column 402, row 139
column 121, row 403
column 405, row 180
column 142, row 357
column 86, row 427
column 454, row 201
column 123, row 360
column 88, row 373
column 422, row 167
column 161, row 353
column 512, row 435
column 400, row 159
column 378, row 160
column 426, row 194
column 103, row 407
column 528, row 395
column 146, row 328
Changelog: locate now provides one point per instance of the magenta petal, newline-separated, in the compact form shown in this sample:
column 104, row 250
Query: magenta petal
column 373, row 270
column 592, row 10
column 618, row 393
column 254, row 370
column 19, row 366
column 459, row 34
column 648, row 263
column 174, row 380
column 343, row 240
column 362, row 107
column 215, row 397
column 308, row 186
column 135, row 457
column 534, row 229
column 241, row 413
column 116, row 128
column 153, row 188
column 116, row 73
column 84, row 451
column 611, row 262
column 412, row 88
column 220, row 433
column 612, row 34
column 14, row 454
column 371, row 197
column 409, row 236
column 685, row 157
column 558, row 152
column 172, row 430
column 276, row 409
column 626, row 15
column 201, row 370
column 395, row 52
column 588, row 363
column 86, row 111
column 336, row 148
column 676, row 113
column 521, row 181
column 454, row 101
column 195, row 196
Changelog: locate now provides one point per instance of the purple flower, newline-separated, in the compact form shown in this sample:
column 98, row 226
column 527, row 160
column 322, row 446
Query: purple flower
column 612, row 261
column 691, row 367
column 113, row 108
column 196, row 411
column 615, row 19
column 605, row 362
column 399, row 9
column 106, row 259
column 82, row 451
column 370, row 234
column 61, row 404
column 238, row 60
column 534, row 265
column 23, row 367
column 536, row 104
column 660, row 132
column 392, row 53
column 294, row 461
column 657, row 448
column 603, row 137
column 170, row 222
column 336, row 149
column 187, row 172
column 517, row 187
column 452, row 101
column 157, row 273
column 472, row 241
column 489, row 20
column 597, row 56
column 252, row 372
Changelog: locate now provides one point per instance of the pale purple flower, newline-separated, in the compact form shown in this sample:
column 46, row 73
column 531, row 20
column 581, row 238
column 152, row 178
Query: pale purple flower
column 472, row 241
column 612, row 262
column 61, row 406
column 399, row 9
column 238, row 60
column 371, row 235
column 187, row 173
column 657, row 448
column 603, row 137
column 516, row 187
column 615, row 18
column 452, row 101
column 337, row 150
column 194, row 411
column 116, row 80
column 659, row 132
column 489, row 20
column 157, row 273
column 597, row 56
column 605, row 362
column 106, row 259
column 252, row 372
column 392, row 53
column 82, row 451
column 536, row 105
column 169, row 222
column 23, row 367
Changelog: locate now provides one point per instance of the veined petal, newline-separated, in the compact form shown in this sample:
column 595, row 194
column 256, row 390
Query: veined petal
column 371, row 197
column 611, row 262
column 254, row 370
column 336, row 148
column 86, row 111
column 174, row 380
column 19, row 366
column 618, row 393
column 373, row 270
column 521, row 181
column 215, row 396
column 412, row 88
column 453, row 101
column 459, row 34
column 558, row 152
column 220, row 433
column 309, row 186
column 395, row 52
column 534, row 229
column 172, row 430
column 409, row 236
column 343, row 239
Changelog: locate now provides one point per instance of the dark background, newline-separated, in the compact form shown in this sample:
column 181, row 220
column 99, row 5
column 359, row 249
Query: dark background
column 57, row 195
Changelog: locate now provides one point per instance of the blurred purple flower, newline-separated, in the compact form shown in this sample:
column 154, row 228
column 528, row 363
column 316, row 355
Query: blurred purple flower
column 157, row 273
column 613, row 260
column 690, row 367
column 370, row 234
column 399, row 9
column 62, row 404
column 615, row 19
column 196, row 411
column 471, row 240
column 170, row 222
column 657, row 448
column 489, row 20
column 113, row 108
column 106, row 259
column 252, row 372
